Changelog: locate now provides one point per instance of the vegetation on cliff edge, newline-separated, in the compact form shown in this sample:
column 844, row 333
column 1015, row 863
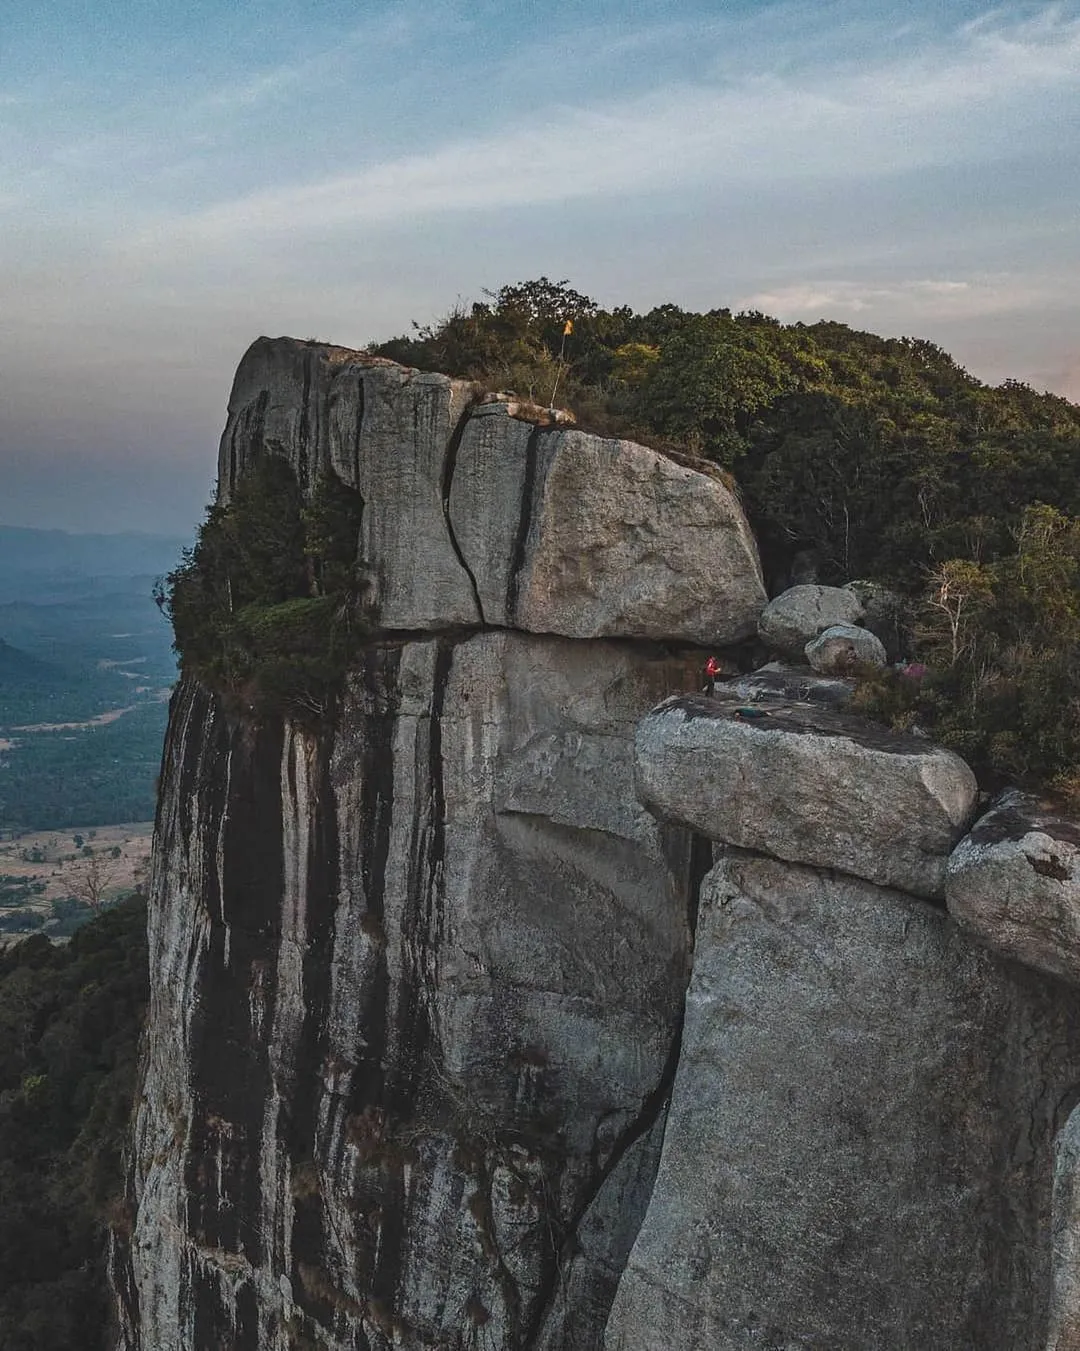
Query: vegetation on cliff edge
column 856, row 457
column 267, row 608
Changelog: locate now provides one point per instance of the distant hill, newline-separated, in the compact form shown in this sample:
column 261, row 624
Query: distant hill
column 85, row 662
column 19, row 669
column 57, row 551
column 48, row 566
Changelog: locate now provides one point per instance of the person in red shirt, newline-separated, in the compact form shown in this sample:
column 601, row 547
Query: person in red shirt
column 712, row 674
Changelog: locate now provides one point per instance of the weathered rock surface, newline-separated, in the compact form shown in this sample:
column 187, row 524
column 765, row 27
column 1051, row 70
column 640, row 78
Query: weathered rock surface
column 418, row 977
column 788, row 683
column 416, row 991
column 472, row 516
column 843, row 648
column 859, row 1148
column 1063, row 1333
column 1014, row 883
column 568, row 533
column 798, row 615
column 808, row 785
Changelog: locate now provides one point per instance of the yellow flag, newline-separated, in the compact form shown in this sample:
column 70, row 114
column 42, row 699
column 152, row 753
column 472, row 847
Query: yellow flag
column 568, row 328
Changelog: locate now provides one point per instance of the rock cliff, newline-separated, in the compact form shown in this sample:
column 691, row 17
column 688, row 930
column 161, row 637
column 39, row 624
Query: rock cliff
column 418, row 975
column 497, row 1012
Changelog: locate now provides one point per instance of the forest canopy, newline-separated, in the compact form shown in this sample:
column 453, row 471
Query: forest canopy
column 871, row 458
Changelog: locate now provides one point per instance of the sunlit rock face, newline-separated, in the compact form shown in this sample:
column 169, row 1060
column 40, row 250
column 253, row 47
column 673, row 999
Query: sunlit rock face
column 472, row 516
column 418, row 976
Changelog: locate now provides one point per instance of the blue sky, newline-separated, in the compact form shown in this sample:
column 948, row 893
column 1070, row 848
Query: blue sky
column 177, row 179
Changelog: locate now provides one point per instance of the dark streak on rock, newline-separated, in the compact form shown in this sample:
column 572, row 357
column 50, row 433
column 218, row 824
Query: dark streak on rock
column 358, row 434
column 367, row 1088
column 450, row 459
column 229, row 1062
column 211, row 1319
column 689, row 857
column 304, row 430
column 246, row 1336
column 309, row 1237
column 521, row 540
column 1049, row 867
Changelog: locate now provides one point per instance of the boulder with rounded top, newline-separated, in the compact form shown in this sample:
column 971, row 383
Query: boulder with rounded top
column 843, row 648
column 798, row 615
column 808, row 785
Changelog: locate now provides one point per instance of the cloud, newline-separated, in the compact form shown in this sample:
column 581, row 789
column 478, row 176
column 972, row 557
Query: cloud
column 253, row 90
column 927, row 300
column 964, row 99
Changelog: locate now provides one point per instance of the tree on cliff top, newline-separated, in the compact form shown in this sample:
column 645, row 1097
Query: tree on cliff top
column 882, row 457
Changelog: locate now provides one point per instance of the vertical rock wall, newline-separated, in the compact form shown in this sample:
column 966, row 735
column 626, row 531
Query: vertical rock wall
column 418, row 977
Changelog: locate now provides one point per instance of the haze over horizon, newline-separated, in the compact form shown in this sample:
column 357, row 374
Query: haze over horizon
column 175, row 182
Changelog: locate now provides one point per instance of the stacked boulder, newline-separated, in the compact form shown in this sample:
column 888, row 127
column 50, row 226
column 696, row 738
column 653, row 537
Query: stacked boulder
column 867, row 1142
column 821, row 625
column 823, row 638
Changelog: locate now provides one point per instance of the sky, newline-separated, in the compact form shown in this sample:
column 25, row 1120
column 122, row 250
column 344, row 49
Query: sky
column 177, row 179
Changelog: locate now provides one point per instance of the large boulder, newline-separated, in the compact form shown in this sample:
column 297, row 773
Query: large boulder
column 473, row 517
column 807, row 784
column 588, row 537
column 1014, row 883
column 859, row 1150
column 798, row 615
column 843, row 648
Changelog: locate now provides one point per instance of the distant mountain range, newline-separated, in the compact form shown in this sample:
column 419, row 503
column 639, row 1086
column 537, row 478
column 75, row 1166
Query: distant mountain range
column 18, row 668
column 48, row 566
column 85, row 662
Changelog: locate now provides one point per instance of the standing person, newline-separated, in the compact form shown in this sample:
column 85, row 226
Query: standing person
column 712, row 672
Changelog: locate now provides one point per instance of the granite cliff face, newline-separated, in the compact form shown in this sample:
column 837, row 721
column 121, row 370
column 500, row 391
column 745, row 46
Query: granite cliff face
column 418, row 978
column 502, row 1013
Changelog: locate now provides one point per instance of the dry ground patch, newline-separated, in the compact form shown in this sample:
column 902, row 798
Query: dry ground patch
column 56, row 859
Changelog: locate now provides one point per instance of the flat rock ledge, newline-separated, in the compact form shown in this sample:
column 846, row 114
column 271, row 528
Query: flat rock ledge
column 807, row 784
column 1014, row 884
column 782, row 681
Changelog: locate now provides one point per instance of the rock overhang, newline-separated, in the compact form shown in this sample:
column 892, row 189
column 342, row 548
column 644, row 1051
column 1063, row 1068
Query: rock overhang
column 807, row 784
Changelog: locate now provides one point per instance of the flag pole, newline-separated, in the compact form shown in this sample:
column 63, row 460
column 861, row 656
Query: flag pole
column 568, row 328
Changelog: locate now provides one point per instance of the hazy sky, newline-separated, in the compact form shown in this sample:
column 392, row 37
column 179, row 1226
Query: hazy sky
column 176, row 179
